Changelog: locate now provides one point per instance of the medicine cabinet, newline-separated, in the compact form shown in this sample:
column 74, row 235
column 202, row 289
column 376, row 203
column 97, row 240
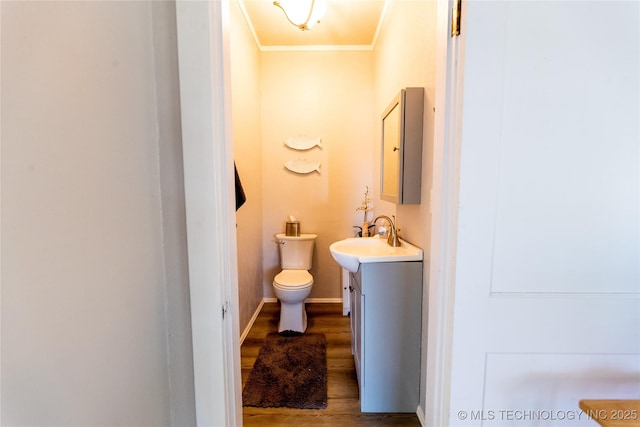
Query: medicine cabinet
column 401, row 160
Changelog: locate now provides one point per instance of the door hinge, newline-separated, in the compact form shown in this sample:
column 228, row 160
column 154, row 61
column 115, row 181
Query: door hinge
column 225, row 308
column 455, row 18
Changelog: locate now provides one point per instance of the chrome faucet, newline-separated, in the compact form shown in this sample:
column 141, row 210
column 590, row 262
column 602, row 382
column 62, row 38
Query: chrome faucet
column 393, row 239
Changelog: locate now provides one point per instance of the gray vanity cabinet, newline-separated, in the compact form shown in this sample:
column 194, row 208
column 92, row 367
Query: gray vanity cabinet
column 386, row 306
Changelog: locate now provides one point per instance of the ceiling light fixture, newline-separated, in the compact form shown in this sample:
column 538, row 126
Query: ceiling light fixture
column 304, row 14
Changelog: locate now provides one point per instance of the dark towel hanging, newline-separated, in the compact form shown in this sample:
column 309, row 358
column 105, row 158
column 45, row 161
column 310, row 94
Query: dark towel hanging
column 240, row 197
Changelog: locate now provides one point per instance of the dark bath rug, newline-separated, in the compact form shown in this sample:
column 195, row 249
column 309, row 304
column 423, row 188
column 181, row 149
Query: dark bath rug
column 290, row 372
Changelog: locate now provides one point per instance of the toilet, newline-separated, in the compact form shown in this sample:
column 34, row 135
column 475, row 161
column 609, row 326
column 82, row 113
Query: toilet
column 293, row 284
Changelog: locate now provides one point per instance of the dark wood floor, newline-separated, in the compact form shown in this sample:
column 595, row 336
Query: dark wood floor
column 343, row 408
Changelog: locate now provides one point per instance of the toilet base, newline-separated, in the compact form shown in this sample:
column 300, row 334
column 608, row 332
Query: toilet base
column 293, row 317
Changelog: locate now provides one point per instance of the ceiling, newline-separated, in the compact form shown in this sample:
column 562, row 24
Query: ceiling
column 348, row 24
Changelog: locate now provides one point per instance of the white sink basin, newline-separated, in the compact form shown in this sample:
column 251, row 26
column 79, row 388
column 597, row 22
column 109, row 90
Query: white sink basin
column 350, row 253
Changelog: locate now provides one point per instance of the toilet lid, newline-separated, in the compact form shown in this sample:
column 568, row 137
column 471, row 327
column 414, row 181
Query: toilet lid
column 293, row 278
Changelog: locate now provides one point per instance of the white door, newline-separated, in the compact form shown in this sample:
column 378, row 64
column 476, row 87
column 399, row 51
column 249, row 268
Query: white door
column 547, row 265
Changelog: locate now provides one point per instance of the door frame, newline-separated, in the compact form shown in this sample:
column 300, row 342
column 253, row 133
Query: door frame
column 203, row 46
column 444, row 218
column 205, row 98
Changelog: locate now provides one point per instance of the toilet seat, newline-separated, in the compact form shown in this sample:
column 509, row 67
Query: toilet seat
column 293, row 279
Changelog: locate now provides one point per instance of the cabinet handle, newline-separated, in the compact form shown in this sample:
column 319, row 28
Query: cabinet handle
column 350, row 288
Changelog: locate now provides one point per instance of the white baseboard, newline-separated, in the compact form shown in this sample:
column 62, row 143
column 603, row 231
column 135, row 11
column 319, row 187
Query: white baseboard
column 420, row 414
column 325, row 300
column 252, row 321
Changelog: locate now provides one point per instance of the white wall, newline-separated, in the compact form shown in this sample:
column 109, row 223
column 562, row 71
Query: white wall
column 327, row 94
column 92, row 218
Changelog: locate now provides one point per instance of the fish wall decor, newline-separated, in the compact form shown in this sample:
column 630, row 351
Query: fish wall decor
column 303, row 142
column 302, row 166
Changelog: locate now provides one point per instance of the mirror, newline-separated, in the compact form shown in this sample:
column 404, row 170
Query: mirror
column 401, row 160
column 391, row 151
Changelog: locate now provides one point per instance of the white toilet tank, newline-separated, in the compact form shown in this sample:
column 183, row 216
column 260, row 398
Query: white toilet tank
column 296, row 252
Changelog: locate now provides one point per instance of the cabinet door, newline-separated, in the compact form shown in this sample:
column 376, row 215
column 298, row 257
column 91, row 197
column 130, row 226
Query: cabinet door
column 356, row 325
column 353, row 313
column 391, row 330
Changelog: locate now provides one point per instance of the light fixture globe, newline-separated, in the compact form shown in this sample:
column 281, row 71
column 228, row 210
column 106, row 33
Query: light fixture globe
column 304, row 14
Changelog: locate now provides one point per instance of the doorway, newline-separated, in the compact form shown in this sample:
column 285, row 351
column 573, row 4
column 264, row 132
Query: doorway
column 216, row 22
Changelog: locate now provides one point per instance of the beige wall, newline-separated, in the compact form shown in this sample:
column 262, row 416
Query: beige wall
column 327, row 94
column 93, row 256
column 276, row 95
column 245, row 99
column 405, row 56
